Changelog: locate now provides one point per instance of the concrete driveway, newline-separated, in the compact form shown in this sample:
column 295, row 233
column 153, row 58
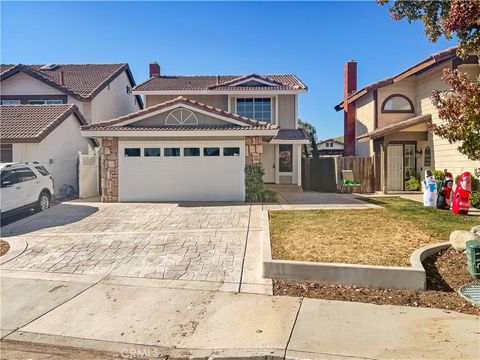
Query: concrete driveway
column 161, row 241
column 164, row 280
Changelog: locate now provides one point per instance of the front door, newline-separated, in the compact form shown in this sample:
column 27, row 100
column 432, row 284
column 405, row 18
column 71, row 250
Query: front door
column 395, row 168
column 268, row 159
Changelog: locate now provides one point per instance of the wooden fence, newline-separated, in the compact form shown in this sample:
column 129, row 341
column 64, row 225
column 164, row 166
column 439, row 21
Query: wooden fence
column 363, row 171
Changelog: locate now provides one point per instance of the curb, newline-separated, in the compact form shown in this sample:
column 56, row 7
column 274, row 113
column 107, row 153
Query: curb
column 386, row 277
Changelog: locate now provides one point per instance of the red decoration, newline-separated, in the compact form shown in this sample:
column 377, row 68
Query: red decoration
column 461, row 196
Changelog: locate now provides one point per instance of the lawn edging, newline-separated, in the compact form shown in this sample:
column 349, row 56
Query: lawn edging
column 387, row 277
column 17, row 247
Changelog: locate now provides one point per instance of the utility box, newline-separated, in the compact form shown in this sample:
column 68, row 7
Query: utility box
column 473, row 258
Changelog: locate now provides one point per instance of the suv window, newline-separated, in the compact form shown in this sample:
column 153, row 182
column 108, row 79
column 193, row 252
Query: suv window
column 42, row 170
column 7, row 178
column 25, row 174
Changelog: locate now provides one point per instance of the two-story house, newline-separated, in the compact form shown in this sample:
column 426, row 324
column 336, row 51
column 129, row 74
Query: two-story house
column 197, row 134
column 43, row 107
column 330, row 147
column 389, row 120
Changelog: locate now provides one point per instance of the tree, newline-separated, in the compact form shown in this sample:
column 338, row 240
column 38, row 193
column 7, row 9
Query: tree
column 460, row 111
column 312, row 134
column 458, row 108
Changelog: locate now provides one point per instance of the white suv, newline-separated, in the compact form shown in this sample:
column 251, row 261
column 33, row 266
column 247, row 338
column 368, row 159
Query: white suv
column 24, row 186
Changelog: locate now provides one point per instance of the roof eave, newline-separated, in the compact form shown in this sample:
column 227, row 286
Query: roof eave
column 218, row 92
column 176, row 133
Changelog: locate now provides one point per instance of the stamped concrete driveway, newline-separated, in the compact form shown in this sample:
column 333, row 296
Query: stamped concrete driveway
column 160, row 241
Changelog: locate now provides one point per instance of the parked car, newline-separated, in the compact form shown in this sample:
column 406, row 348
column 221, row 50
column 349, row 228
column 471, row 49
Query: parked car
column 24, row 186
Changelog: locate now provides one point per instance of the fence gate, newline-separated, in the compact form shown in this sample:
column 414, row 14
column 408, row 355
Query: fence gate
column 88, row 174
column 319, row 174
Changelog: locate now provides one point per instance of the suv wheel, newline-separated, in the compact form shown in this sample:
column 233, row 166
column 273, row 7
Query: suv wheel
column 44, row 201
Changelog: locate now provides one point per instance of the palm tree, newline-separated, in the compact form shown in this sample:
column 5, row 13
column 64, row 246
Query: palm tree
column 312, row 134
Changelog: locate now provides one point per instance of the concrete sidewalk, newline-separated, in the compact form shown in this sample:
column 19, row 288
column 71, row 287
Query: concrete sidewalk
column 157, row 317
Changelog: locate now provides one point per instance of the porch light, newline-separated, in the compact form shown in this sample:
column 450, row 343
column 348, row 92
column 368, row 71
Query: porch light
column 418, row 153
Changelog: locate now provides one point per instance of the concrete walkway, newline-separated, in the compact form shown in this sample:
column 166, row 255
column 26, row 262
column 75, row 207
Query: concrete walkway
column 106, row 308
column 149, row 317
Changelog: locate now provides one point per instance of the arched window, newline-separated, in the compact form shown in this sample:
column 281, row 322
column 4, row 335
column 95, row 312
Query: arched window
column 427, row 157
column 397, row 103
column 181, row 117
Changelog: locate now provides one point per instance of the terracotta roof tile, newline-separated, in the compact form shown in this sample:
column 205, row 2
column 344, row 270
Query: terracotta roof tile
column 218, row 83
column 291, row 134
column 32, row 123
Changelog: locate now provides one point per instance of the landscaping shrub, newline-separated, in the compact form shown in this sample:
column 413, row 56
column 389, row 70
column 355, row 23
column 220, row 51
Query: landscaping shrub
column 254, row 183
column 269, row 196
column 439, row 175
column 413, row 184
column 475, row 200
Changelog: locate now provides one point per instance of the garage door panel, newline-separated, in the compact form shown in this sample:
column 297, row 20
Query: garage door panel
column 198, row 178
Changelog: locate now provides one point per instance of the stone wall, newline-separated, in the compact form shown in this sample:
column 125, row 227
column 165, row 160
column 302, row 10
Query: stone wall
column 109, row 166
column 253, row 150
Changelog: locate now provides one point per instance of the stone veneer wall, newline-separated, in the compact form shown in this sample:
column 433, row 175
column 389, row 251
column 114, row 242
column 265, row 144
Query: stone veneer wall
column 109, row 166
column 253, row 150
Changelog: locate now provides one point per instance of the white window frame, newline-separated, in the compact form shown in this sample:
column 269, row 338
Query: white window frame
column 256, row 97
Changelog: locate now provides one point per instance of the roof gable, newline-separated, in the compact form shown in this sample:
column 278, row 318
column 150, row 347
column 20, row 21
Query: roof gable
column 81, row 81
column 251, row 80
column 422, row 66
column 211, row 84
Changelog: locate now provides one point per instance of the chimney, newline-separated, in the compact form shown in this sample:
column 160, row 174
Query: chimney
column 62, row 77
column 350, row 86
column 154, row 69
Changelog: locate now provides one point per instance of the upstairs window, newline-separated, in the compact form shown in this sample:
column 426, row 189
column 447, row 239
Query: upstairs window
column 10, row 102
column 44, row 102
column 397, row 103
column 255, row 108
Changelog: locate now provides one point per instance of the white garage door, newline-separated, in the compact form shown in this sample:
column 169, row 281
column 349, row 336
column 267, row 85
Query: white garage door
column 182, row 171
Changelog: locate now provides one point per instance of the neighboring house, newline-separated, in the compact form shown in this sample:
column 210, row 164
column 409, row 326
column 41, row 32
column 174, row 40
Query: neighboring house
column 198, row 133
column 389, row 120
column 38, row 93
column 329, row 147
column 47, row 134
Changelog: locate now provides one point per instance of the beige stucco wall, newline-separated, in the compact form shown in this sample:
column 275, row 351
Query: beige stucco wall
column 364, row 123
column 444, row 154
column 286, row 105
column 217, row 101
column 24, row 84
column 286, row 111
column 405, row 87
column 113, row 101
column 63, row 153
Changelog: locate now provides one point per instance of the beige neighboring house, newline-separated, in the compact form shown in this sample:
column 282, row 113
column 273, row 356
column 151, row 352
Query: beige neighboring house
column 43, row 107
column 330, row 147
column 197, row 134
column 389, row 120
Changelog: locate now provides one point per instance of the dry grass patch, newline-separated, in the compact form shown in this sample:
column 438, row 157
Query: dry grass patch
column 372, row 237
column 4, row 247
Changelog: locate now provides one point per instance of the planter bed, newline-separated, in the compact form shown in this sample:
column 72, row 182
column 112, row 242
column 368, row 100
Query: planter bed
column 445, row 274
column 378, row 248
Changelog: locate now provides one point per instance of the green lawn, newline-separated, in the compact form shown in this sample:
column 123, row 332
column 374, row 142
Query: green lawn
column 385, row 236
